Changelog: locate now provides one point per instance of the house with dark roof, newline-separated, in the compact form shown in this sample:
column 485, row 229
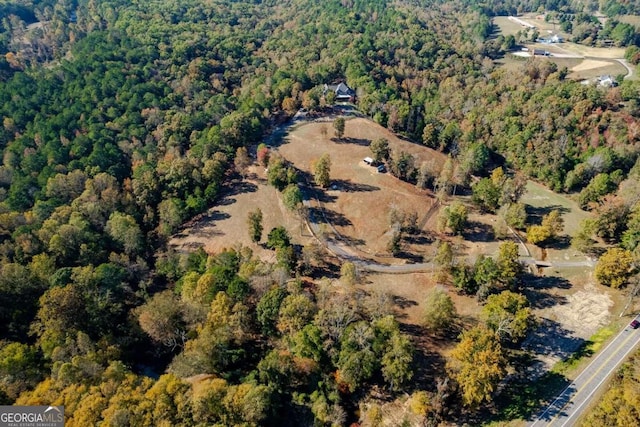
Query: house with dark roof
column 343, row 92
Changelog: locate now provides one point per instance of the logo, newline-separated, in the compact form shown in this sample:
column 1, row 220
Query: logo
column 31, row 416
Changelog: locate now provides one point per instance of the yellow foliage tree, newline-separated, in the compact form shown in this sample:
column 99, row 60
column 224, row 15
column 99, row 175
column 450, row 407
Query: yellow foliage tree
column 614, row 267
column 477, row 364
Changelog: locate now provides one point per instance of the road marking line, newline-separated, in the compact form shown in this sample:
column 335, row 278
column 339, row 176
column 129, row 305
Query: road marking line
column 593, row 390
column 550, row 406
column 602, row 365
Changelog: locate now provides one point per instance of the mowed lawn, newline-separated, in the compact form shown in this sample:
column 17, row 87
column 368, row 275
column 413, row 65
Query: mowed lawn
column 360, row 199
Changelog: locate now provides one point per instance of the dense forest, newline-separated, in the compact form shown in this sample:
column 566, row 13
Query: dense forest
column 121, row 120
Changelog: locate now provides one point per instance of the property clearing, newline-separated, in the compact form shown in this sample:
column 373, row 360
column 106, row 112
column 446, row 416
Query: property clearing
column 225, row 225
column 593, row 61
column 589, row 64
column 359, row 199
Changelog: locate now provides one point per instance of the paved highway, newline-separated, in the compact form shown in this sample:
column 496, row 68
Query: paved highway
column 565, row 410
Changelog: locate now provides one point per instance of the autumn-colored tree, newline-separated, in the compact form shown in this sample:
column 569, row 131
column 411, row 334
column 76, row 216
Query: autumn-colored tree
column 295, row 312
column 242, row 161
column 509, row 264
column 614, row 267
column 262, row 155
column 161, row 319
column 348, row 273
column 508, row 315
column 20, row 368
column 537, row 234
column 289, row 105
column 444, row 182
column 439, row 312
column 477, row 364
column 322, row 170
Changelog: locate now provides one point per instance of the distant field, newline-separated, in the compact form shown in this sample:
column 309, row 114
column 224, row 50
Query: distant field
column 595, row 52
column 583, row 62
column 590, row 69
column 509, row 27
column 629, row 19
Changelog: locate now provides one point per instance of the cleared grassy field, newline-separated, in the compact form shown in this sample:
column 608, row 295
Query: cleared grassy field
column 590, row 69
column 539, row 196
column 507, row 26
column 629, row 19
column 360, row 198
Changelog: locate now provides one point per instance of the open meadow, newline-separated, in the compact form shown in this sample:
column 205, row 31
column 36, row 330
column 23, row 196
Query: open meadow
column 583, row 62
column 360, row 198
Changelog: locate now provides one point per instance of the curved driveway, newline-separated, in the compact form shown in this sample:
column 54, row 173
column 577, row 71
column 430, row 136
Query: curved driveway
column 344, row 251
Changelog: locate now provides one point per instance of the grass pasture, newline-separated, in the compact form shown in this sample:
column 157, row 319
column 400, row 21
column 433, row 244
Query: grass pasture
column 592, row 68
column 629, row 19
column 360, row 199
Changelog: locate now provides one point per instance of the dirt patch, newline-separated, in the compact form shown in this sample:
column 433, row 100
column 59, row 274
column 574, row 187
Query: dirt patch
column 585, row 311
column 569, row 312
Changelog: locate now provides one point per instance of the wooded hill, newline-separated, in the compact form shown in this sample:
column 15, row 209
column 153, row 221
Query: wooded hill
column 121, row 121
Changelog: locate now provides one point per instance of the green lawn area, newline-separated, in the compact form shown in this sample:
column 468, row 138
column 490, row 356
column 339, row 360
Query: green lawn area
column 544, row 200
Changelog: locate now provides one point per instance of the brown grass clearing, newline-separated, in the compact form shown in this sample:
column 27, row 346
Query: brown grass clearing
column 225, row 225
column 362, row 198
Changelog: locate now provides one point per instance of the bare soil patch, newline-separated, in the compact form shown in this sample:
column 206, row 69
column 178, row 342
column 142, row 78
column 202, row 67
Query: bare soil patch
column 570, row 309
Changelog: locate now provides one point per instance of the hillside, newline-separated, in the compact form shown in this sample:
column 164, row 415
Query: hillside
column 126, row 124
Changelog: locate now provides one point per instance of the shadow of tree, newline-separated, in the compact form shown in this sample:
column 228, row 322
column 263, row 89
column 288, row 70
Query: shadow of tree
column 522, row 398
column 238, row 187
column 535, row 214
column 333, row 217
column 347, row 185
column 413, row 258
column 536, row 289
column 358, row 141
column 478, row 232
column 418, row 239
column 317, row 194
column 428, row 363
column 559, row 243
column 403, row 302
column 352, row 241
column 552, row 340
